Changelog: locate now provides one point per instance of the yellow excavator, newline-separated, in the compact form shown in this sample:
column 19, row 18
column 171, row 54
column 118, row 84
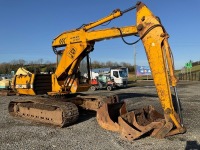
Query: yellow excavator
column 72, row 48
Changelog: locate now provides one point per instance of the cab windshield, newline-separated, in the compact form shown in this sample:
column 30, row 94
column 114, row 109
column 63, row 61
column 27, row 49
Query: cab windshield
column 122, row 74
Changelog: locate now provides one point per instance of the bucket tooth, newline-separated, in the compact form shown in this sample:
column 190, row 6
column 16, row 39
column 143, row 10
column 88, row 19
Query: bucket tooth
column 164, row 130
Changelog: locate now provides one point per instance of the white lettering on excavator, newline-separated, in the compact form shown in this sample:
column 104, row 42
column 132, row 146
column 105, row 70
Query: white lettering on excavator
column 23, row 86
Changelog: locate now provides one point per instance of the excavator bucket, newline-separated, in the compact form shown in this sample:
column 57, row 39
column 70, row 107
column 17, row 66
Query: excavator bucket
column 132, row 125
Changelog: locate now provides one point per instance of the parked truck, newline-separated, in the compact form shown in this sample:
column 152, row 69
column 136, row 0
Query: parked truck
column 119, row 74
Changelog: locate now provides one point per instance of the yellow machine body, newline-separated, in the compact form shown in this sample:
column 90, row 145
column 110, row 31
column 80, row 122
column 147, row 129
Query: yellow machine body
column 78, row 43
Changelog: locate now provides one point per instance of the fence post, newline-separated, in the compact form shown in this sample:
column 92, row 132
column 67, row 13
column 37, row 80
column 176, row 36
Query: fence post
column 192, row 76
column 179, row 76
column 184, row 76
column 199, row 76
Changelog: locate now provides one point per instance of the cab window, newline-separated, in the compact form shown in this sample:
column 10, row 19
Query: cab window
column 115, row 74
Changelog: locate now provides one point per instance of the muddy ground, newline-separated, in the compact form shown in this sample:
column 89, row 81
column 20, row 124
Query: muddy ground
column 87, row 134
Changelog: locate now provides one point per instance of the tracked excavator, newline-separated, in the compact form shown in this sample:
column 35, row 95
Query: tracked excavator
column 47, row 104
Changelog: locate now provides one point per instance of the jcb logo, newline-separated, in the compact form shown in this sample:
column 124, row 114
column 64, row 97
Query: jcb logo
column 72, row 53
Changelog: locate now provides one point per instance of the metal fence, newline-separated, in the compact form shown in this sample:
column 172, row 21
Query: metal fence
column 193, row 76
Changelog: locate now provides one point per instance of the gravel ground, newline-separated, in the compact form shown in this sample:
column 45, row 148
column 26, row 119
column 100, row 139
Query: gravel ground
column 87, row 134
